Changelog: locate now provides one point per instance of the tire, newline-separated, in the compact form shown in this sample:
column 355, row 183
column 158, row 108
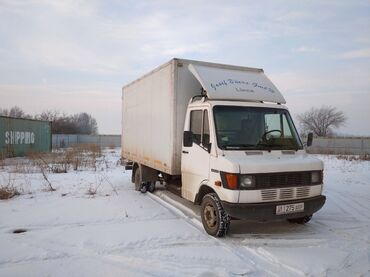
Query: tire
column 143, row 188
column 300, row 220
column 151, row 186
column 137, row 179
column 215, row 220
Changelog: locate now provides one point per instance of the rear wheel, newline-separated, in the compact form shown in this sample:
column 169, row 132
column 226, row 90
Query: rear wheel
column 215, row 220
column 143, row 188
column 151, row 186
column 137, row 179
column 300, row 220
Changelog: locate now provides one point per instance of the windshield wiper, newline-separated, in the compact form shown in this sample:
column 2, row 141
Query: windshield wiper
column 269, row 145
column 238, row 146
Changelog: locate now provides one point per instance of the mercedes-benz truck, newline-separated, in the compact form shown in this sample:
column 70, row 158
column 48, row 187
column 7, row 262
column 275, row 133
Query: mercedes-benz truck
column 222, row 137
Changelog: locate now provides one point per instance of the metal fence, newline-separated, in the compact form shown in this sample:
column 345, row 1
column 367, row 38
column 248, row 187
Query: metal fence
column 62, row 141
column 349, row 146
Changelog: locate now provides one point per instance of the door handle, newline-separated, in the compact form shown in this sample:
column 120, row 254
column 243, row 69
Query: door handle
column 185, row 152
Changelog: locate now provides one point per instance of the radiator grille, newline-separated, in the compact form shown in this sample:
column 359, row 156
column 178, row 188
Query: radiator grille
column 269, row 194
column 302, row 192
column 286, row 179
column 285, row 193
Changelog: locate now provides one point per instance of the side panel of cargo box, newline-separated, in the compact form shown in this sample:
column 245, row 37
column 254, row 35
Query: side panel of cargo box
column 148, row 119
column 153, row 115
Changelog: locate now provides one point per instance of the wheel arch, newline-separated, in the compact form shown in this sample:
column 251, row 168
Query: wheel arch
column 134, row 168
column 147, row 174
column 203, row 190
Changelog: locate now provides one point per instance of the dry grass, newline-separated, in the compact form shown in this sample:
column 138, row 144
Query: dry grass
column 7, row 192
column 365, row 157
column 93, row 189
column 111, row 146
column 78, row 157
column 2, row 158
column 83, row 156
column 8, row 189
column 317, row 150
column 42, row 162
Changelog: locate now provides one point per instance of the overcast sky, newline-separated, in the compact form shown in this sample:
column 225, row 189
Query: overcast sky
column 74, row 55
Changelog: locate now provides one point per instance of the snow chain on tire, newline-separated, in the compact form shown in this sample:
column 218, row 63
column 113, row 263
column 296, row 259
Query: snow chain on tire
column 223, row 219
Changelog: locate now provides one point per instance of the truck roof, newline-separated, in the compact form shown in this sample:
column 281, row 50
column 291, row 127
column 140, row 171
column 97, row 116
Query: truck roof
column 229, row 82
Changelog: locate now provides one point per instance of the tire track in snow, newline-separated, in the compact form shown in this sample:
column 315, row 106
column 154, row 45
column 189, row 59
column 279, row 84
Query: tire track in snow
column 34, row 227
column 357, row 210
column 256, row 260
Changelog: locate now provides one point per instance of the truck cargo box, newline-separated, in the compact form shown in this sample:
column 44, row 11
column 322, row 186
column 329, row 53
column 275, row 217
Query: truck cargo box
column 153, row 116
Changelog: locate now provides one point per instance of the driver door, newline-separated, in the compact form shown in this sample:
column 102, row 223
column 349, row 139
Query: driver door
column 196, row 158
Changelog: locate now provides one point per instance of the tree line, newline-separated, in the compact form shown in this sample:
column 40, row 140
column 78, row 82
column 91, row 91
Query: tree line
column 321, row 121
column 62, row 123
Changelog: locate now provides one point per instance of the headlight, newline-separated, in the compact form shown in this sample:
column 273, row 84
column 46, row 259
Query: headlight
column 315, row 177
column 236, row 181
column 247, row 181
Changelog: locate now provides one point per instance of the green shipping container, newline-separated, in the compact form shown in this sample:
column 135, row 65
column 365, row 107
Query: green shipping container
column 19, row 136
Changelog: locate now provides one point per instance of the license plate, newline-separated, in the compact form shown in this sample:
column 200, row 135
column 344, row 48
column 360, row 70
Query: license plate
column 290, row 208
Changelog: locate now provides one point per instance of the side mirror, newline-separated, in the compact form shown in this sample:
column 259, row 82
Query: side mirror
column 309, row 139
column 208, row 147
column 188, row 139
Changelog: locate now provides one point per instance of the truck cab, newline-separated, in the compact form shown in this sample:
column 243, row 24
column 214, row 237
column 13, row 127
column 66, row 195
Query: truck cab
column 243, row 159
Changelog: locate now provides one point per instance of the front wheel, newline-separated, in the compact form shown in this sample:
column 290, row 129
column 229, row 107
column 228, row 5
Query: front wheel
column 215, row 220
column 300, row 220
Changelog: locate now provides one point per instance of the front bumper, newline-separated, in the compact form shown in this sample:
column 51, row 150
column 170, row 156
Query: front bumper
column 267, row 211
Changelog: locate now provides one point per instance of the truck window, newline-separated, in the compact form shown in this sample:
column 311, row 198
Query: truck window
column 205, row 138
column 272, row 122
column 255, row 128
column 279, row 122
column 287, row 132
column 196, row 125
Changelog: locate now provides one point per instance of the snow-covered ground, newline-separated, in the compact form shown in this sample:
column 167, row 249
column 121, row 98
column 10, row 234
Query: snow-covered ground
column 120, row 232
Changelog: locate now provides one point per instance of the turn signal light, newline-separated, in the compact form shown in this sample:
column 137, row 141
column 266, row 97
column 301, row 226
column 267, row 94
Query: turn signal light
column 231, row 180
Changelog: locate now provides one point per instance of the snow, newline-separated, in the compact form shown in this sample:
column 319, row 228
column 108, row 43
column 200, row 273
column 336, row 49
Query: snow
column 122, row 232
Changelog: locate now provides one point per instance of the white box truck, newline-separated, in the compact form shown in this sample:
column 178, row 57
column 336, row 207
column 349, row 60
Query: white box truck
column 223, row 137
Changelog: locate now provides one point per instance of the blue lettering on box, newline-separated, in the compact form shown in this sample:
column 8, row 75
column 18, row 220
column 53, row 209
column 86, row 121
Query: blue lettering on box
column 233, row 82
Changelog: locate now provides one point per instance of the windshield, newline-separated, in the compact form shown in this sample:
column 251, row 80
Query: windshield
column 255, row 128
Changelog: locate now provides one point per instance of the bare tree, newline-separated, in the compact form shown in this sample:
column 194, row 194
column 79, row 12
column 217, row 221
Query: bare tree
column 4, row 112
column 82, row 123
column 322, row 120
column 85, row 123
column 48, row 115
column 14, row 111
column 62, row 123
